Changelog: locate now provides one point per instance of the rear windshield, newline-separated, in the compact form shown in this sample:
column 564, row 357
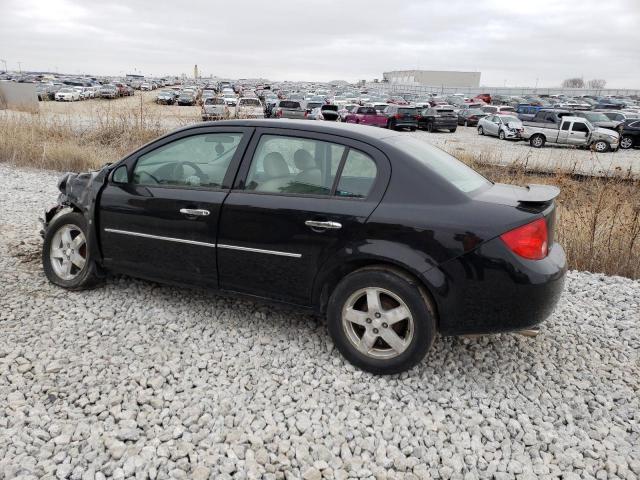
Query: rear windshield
column 410, row 111
column 251, row 102
column 333, row 108
column 214, row 101
column 367, row 111
column 448, row 167
column 289, row 104
column 313, row 104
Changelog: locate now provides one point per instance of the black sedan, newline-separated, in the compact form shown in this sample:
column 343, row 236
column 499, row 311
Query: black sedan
column 469, row 117
column 392, row 239
column 630, row 134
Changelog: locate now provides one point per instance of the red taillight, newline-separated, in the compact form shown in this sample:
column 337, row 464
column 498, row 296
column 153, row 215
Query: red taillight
column 530, row 241
column 279, row 112
column 397, row 115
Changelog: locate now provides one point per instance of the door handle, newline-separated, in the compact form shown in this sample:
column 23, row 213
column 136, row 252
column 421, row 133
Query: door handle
column 318, row 224
column 196, row 212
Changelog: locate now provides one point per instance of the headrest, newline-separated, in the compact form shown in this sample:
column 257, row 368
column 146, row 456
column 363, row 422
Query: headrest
column 219, row 148
column 304, row 160
column 275, row 165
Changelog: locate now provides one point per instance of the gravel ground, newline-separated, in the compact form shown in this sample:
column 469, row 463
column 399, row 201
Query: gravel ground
column 133, row 379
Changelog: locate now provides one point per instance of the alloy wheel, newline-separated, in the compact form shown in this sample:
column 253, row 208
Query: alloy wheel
column 68, row 252
column 601, row 146
column 378, row 323
column 626, row 142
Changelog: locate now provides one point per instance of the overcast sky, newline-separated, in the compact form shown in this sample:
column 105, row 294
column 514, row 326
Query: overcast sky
column 512, row 42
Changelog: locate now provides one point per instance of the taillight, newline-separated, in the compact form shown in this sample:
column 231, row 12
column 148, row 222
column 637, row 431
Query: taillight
column 397, row 115
column 279, row 112
column 529, row 241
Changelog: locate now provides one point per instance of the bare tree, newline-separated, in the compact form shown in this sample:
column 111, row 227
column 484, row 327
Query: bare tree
column 576, row 82
column 597, row 83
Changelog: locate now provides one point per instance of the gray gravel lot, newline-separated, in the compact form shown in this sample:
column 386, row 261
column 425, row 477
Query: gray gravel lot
column 138, row 380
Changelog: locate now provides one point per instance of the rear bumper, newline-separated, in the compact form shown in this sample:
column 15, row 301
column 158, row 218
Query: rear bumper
column 492, row 290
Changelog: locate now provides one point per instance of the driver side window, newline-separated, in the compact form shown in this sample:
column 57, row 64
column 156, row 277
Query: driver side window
column 195, row 161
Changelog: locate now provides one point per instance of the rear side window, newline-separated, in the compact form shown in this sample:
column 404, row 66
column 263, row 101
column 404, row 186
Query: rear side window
column 566, row 125
column 358, row 175
column 579, row 127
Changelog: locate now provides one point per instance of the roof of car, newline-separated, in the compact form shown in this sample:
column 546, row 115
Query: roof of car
column 362, row 132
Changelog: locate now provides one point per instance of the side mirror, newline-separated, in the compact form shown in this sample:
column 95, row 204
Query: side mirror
column 120, row 175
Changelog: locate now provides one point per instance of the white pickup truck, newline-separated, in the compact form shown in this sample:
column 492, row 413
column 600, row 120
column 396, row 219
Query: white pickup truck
column 575, row 131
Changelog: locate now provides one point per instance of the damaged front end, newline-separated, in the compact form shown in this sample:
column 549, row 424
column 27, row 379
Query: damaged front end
column 78, row 192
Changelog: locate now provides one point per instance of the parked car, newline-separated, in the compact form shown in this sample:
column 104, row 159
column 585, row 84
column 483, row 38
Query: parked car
column 469, row 117
column 620, row 116
column 630, row 134
column 215, row 108
column 67, row 95
column 289, row 109
column 485, row 97
column 401, row 116
column 598, row 119
column 366, row 116
column 326, row 112
column 433, row 248
column 146, row 86
column 109, row 91
column 502, row 126
column 346, row 110
column 498, row 109
column 165, row 97
column 122, row 89
column 526, row 111
column 186, row 99
column 575, row 131
column 438, row 118
column 548, row 116
column 249, row 108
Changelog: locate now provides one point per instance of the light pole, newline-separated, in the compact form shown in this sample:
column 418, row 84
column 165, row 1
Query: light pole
column 5, row 64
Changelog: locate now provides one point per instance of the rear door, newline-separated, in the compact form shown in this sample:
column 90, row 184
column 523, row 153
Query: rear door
column 299, row 197
column 158, row 214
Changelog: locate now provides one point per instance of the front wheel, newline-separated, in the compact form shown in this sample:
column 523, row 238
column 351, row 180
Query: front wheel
column 65, row 253
column 626, row 142
column 430, row 128
column 452, row 130
column 480, row 131
column 601, row 146
column 501, row 135
column 381, row 321
column 392, row 125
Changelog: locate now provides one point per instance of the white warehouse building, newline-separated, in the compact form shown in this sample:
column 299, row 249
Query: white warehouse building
column 433, row 78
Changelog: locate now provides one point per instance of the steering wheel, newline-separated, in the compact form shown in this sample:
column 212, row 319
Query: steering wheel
column 178, row 171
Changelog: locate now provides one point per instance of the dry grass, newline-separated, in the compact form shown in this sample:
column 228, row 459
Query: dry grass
column 598, row 220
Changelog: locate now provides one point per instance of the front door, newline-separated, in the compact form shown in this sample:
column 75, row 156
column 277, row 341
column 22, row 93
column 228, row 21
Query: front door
column 299, row 197
column 159, row 212
column 578, row 133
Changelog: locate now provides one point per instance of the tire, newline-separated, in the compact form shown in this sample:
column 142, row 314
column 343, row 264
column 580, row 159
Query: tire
column 466, row 123
column 430, row 127
column 601, row 146
column 452, row 130
column 626, row 142
column 480, row 131
column 81, row 274
column 501, row 135
column 537, row 141
column 392, row 125
column 414, row 332
column 412, row 129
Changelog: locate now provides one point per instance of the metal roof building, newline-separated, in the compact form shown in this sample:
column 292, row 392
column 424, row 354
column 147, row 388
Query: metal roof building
column 434, row 78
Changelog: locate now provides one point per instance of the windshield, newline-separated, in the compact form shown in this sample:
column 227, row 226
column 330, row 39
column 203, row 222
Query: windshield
column 250, row 102
column 457, row 173
column 510, row 119
column 289, row 104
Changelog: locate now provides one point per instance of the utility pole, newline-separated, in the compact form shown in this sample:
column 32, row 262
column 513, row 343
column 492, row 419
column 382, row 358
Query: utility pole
column 5, row 64
column 20, row 66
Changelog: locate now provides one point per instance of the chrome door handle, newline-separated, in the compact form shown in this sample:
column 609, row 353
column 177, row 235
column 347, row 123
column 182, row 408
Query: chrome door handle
column 196, row 212
column 317, row 224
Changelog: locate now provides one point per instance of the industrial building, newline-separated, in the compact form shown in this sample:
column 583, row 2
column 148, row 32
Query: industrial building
column 433, row 78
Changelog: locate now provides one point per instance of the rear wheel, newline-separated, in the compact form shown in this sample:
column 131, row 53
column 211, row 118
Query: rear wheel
column 452, row 130
column 626, row 142
column 480, row 131
column 65, row 253
column 537, row 141
column 430, row 128
column 381, row 321
column 392, row 124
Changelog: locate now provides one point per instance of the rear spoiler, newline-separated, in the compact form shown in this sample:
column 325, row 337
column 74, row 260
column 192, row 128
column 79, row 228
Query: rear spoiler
column 536, row 194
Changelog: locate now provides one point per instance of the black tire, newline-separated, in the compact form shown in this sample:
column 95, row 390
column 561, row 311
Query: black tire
column 452, row 130
column 412, row 129
column 85, row 277
column 537, row 141
column 415, row 299
column 601, row 146
column 480, row 131
column 392, row 125
column 626, row 142
column 501, row 135
column 430, row 127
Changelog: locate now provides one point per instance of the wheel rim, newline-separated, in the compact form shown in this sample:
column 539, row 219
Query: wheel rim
column 601, row 146
column 377, row 323
column 480, row 131
column 537, row 141
column 68, row 252
column 501, row 135
column 626, row 142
